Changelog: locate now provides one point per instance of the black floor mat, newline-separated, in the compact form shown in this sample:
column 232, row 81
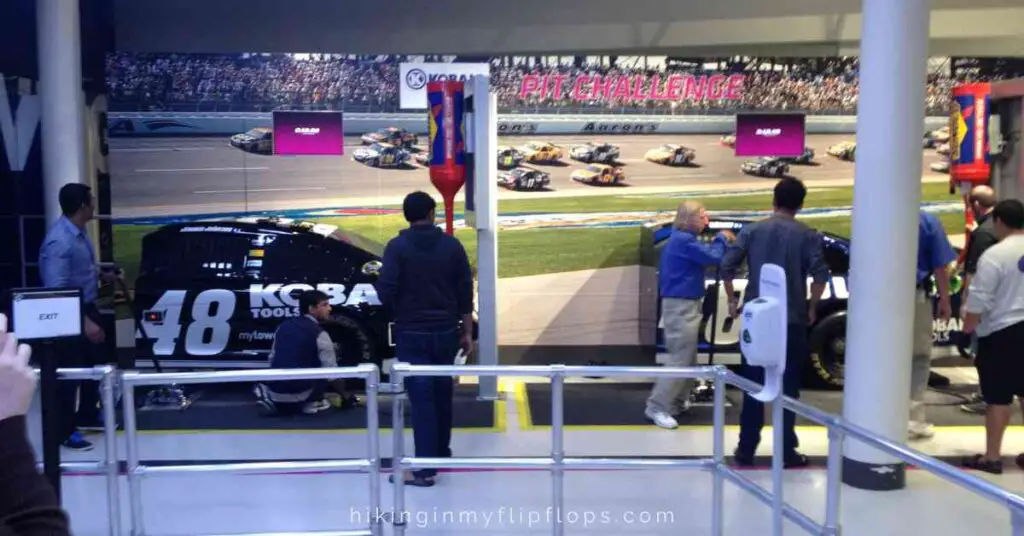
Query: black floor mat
column 231, row 408
column 622, row 404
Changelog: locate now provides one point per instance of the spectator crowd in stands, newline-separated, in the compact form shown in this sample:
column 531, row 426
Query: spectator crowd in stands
column 263, row 82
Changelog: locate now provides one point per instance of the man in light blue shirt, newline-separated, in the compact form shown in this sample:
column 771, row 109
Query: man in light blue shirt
column 67, row 259
column 681, row 284
column 934, row 255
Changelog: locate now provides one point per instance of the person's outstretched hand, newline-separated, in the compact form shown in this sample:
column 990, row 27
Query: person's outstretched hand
column 17, row 379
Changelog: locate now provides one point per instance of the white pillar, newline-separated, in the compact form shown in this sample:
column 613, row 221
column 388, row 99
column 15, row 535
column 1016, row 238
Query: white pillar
column 60, row 91
column 486, row 200
column 887, row 180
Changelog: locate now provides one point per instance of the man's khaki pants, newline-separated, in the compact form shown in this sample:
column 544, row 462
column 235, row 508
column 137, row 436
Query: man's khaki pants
column 922, row 355
column 681, row 319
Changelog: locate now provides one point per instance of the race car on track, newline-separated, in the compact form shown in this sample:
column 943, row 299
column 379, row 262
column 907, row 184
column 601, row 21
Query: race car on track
column 509, row 157
column 943, row 149
column 541, row 151
column 941, row 166
column 766, row 167
column 381, row 155
column 604, row 153
column 257, row 140
column 719, row 334
column 938, row 136
column 671, row 154
column 210, row 294
column 391, row 136
column 599, row 175
column 524, row 178
column 806, row 158
column 844, row 150
column 729, row 140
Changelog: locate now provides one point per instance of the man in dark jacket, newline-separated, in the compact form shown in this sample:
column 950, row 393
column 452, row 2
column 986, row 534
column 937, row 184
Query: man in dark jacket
column 427, row 284
column 301, row 343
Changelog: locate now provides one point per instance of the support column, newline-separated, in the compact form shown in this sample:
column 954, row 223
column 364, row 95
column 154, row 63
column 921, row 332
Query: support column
column 60, row 90
column 887, row 180
column 486, row 205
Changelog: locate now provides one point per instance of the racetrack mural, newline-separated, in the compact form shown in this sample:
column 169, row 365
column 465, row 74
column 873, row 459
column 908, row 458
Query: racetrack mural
column 568, row 252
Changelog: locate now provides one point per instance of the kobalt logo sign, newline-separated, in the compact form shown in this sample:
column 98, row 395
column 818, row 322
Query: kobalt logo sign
column 416, row 79
column 768, row 132
column 307, row 131
column 276, row 301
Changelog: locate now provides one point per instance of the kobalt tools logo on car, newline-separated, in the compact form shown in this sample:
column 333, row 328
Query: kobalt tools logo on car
column 278, row 301
column 768, row 132
column 620, row 128
column 307, row 131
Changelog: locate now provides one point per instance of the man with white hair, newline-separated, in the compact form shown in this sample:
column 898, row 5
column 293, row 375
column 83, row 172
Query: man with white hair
column 681, row 280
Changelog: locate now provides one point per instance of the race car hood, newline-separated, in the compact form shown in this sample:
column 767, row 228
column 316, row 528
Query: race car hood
column 657, row 153
column 584, row 173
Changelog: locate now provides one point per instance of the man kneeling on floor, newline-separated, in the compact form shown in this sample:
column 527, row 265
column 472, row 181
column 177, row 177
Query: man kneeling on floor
column 301, row 343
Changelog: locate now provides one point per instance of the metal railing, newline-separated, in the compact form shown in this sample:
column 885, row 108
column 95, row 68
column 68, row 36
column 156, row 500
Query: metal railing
column 838, row 431
column 557, row 462
column 370, row 464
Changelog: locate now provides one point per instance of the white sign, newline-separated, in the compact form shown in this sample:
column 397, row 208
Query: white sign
column 46, row 314
column 414, row 78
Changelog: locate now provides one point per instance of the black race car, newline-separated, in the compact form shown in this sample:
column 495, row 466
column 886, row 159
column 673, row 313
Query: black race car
column 382, row 155
column 211, row 294
column 524, row 178
column 766, row 167
column 392, row 136
column 602, row 153
column 509, row 157
column 719, row 334
column 804, row 159
column 257, row 140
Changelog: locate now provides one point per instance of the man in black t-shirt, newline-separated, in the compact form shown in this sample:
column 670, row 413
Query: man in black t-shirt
column 982, row 199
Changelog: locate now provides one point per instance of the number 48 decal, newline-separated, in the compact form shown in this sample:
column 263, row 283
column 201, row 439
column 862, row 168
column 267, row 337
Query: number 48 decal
column 207, row 334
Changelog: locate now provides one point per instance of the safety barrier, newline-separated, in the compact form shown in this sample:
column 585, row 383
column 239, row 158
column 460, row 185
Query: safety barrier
column 838, row 431
column 369, row 464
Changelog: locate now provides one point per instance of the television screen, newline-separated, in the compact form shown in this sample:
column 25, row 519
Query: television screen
column 308, row 133
column 769, row 134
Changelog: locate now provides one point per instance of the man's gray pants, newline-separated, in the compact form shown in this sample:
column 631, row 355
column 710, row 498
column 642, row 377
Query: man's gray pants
column 921, row 365
column 681, row 327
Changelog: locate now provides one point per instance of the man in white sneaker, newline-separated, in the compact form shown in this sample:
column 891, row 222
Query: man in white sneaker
column 995, row 312
column 681, row 281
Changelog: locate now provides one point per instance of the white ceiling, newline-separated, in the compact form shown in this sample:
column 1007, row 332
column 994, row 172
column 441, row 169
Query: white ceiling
column 486, row 27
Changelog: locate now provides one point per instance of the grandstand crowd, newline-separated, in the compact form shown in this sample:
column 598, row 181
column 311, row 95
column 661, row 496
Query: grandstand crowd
column 263, row 82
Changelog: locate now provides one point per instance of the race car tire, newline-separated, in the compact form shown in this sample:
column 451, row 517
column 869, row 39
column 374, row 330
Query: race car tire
column 354, row 344
column 827, row 344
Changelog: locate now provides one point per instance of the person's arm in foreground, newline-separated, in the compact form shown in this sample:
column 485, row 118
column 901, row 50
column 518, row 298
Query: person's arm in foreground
column 735, row 254
column 28, row 505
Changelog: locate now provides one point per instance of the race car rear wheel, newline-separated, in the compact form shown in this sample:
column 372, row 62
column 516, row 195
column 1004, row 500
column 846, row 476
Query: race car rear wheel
column 828, row 352
column 354, row 344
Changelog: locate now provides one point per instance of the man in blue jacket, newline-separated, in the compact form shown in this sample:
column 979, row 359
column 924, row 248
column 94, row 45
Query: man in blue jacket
column 681, row 280
column 427, row 283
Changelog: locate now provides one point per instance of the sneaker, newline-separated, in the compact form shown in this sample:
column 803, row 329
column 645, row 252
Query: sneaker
column 77, row 442
column 917, row 430
column 316, row 407
column 661, row 419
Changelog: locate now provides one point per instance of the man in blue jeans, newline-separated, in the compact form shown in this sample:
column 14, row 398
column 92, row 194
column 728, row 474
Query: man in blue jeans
column 427, row 283
column 780, row 239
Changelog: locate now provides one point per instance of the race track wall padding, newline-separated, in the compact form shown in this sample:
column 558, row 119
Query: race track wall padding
column 22, row 220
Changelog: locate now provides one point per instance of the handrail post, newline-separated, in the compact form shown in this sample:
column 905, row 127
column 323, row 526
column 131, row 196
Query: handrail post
column 834, row 480
column 398, row 452
column 373, row 447
column 132, row 454
column 778, row 451
column 108, row 377
column 557, row 447
column 718, row 480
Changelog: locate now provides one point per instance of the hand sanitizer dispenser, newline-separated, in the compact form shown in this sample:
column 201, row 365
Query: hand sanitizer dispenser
column 763, row 333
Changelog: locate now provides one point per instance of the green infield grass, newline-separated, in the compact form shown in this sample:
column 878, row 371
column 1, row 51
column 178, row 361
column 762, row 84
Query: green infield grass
column 542, row 251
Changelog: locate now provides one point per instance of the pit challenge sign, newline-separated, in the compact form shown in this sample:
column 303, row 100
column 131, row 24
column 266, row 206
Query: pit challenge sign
column 414, row 77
